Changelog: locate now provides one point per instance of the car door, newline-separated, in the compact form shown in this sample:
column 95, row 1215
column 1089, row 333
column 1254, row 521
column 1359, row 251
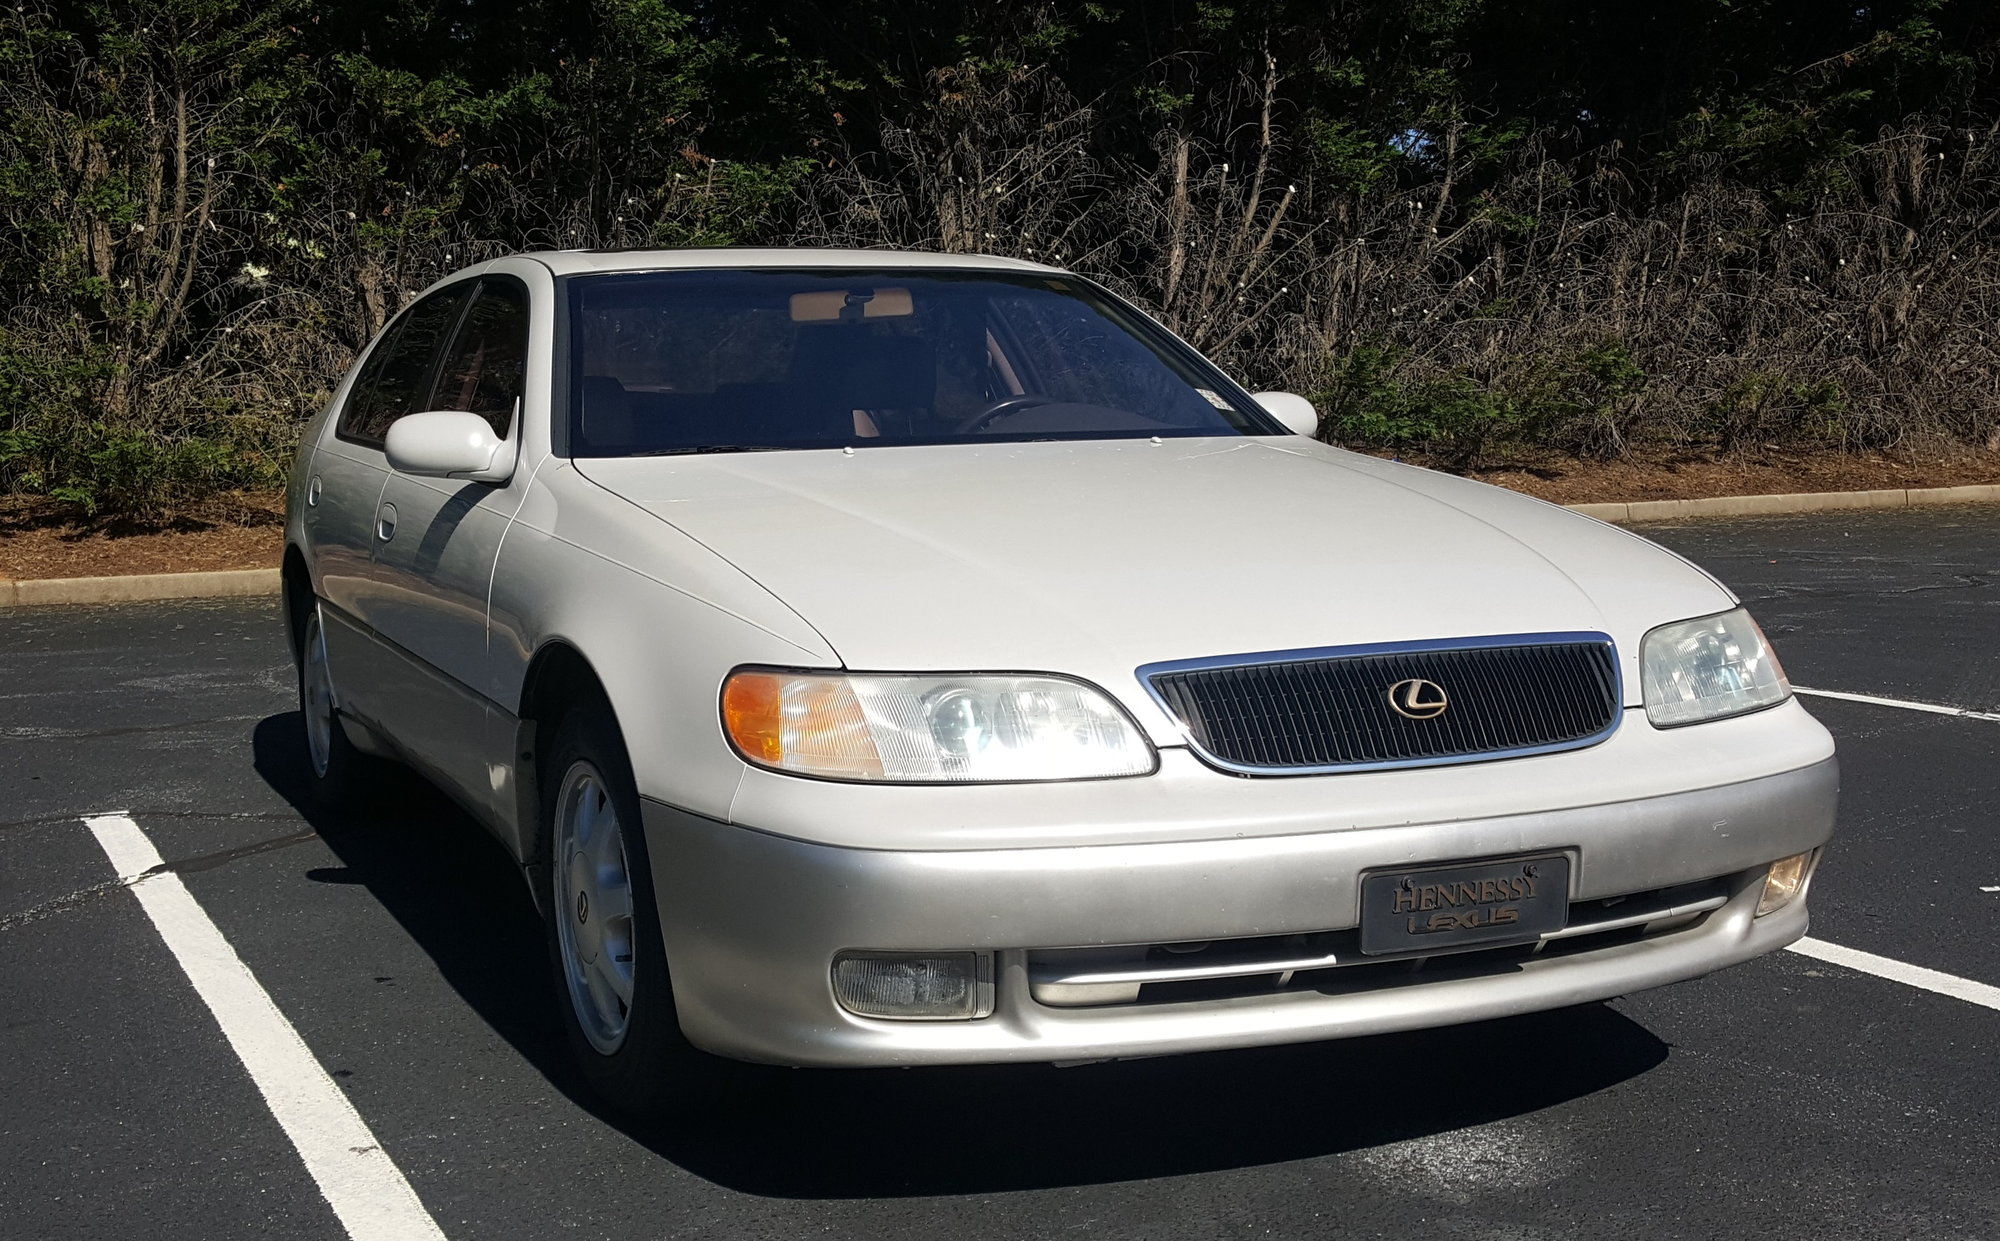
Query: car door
column 347, row 473
column 435, row 543
column 352, row 470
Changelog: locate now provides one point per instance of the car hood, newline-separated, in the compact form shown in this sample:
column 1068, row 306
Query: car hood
column 1095, row 557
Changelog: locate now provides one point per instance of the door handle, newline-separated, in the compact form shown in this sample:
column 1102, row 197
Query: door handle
column 385, row 522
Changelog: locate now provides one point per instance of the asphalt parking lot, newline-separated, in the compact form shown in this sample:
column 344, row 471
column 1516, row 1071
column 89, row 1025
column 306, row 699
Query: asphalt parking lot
column 1789, row 1097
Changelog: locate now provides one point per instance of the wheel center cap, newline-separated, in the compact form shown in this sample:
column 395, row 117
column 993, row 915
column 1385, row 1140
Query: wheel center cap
column 583, row 906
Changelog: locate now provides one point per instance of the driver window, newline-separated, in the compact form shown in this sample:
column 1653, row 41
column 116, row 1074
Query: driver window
column 394, row 389
column 483, row 371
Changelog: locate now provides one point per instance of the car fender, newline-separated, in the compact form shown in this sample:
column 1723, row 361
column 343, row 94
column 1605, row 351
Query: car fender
column 660, row 619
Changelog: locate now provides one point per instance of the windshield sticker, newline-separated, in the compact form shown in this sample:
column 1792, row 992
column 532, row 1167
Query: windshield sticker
column 1215, row 400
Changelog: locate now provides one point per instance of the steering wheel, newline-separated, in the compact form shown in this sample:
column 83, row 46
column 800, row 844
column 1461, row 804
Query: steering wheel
column 1005, row 407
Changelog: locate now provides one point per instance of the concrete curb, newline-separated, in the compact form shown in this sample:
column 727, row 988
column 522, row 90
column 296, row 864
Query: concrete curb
column 241, row 583
column 221, row 584
column 1796, row 502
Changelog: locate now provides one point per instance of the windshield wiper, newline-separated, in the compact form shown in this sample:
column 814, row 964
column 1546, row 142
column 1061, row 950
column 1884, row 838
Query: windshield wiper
column 695, row 449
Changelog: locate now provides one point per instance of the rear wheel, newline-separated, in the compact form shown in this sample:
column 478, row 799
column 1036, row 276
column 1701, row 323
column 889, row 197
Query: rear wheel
column 604, row 940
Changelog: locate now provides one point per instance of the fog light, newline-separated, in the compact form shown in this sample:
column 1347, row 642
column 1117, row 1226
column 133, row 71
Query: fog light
column 1785, row 883
column 914, row 986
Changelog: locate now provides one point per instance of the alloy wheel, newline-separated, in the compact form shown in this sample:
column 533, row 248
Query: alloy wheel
column 594, row 907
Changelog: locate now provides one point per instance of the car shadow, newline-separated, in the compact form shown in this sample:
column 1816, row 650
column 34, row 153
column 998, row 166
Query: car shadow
column 818, row 1133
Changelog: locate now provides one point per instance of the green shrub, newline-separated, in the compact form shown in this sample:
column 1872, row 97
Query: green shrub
column 1370, row 400
column 1378, row 397
column 135, row 472
column 1589, row 401
column 1766, row 405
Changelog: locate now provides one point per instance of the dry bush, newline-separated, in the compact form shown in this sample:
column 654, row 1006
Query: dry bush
column 1561, row 307
column 997, row 161
column 1006, row 162
column 1558, row 305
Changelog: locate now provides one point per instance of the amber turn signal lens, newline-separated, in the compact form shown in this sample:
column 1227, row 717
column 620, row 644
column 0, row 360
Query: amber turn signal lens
column 751, row 711
column 804, row 722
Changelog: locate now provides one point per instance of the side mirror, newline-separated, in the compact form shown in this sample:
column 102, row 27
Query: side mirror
column 1295, row 412
column 448, row 444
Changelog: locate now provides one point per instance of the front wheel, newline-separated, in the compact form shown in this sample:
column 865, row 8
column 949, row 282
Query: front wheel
column 335, row 770
column 610, row 963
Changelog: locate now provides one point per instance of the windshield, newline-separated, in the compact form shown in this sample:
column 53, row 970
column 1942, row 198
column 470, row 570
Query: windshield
column 720, row 361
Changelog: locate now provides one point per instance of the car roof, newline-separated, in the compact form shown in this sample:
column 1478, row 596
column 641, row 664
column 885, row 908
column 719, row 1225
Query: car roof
column 574, row 262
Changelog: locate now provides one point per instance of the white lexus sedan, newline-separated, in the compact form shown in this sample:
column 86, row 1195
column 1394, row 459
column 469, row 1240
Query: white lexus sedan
column 904, row 659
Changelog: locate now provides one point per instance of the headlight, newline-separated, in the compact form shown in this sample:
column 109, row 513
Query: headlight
column 930, row 729
column 1703, row 669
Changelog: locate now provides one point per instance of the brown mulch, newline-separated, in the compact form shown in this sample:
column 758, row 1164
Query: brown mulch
column 41, row 540
column 1678, row 475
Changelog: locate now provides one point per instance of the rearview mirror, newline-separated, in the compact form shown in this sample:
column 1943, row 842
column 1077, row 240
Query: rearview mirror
column 1295, row 412
column 445, row 443
column 850, row 305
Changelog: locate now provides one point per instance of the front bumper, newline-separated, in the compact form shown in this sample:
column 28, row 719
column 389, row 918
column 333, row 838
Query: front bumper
column 752, row 922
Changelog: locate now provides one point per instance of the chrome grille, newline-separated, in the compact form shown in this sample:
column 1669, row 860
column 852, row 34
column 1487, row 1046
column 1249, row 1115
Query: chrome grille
column 1329, row 710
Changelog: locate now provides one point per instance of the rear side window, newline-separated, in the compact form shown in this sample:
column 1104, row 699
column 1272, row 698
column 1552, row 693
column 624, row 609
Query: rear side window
column 483, row 370
column 397, row 377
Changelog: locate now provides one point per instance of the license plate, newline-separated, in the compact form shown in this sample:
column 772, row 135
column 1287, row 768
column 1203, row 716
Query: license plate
column 1438, row 908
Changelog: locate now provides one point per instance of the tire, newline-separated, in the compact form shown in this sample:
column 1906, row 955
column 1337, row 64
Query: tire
column 612, row 982
column 336, row 772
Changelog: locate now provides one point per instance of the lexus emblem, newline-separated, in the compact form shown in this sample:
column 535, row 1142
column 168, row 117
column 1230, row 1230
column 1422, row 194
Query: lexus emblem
column 1418, row 699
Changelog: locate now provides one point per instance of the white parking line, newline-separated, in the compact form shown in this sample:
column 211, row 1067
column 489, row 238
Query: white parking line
column 1884, row 967
column 363, row 1185
column 1897, row 971
column 1872, row 700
